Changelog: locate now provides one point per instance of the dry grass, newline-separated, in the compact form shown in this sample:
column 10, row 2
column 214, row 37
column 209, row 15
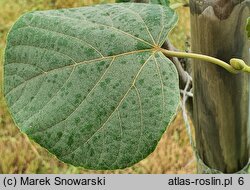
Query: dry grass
column 18, row 155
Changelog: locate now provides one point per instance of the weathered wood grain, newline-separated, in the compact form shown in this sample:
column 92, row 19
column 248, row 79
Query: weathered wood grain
column 221, row 99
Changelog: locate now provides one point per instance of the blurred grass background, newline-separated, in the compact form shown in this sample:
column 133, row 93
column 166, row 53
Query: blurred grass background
column 19, row 155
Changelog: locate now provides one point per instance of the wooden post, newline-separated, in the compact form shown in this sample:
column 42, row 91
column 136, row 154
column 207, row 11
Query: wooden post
column 221, row 108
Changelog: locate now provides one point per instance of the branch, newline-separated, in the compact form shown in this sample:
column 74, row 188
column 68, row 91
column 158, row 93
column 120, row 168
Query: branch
column 185, row 80
column 181, row 72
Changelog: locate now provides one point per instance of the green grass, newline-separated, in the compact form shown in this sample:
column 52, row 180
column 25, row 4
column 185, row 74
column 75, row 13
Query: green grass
column 19, row 155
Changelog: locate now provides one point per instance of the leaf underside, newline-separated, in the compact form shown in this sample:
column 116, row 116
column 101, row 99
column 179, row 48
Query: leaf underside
column 87, row 83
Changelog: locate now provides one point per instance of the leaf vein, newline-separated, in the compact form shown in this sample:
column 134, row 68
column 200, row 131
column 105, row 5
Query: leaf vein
column 63, row 34
column 83, row 62
column 25, row 64
column 121, row 135
column 141, row 122
column 81, row 101
column 22, row 90
column 37, row 91
column 45, row 104
column 139, row 16
column 162, row 87
column 119, row 103
column 162, row 25
column 100, row 24
column 169, row 26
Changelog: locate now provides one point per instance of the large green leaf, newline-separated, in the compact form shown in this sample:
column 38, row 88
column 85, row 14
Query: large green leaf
column 89, row 85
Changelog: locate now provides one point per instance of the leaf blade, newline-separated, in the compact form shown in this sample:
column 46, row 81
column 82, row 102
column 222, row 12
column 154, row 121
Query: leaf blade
column 94, row 84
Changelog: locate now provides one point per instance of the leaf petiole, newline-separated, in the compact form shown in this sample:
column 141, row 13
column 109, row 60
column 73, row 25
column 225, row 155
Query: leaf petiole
column 235, row 66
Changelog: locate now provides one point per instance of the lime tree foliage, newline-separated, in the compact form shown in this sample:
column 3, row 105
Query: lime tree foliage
column 89, row 84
